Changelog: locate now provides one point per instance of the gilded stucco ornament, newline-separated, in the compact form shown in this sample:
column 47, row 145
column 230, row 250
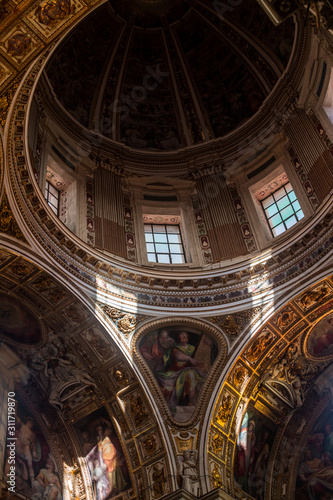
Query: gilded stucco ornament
column 150, row 444
column 138, row 410
column 8, row 224
column 125, row 322
column 216, row 477
column 158, row 480
column 217, row 444
column 225, row 410
column 19, row 45
column 53, row 11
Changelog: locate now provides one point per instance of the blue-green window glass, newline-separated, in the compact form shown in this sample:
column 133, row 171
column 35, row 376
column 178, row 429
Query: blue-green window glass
column 282, row 209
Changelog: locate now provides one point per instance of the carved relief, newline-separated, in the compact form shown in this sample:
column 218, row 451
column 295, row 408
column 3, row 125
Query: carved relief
column 285, row 319
column 217, row 443
column 158, row 479
column 19, row 45
column 225, row 409
column 97, row 342
column 75, row 314
column 239, row 377
column 216, row 477
column 125, row 322
column 8, row 224
column 52, row 11
column 138, row 410
column 150, row 444
column 259, row 346
column 313, row 297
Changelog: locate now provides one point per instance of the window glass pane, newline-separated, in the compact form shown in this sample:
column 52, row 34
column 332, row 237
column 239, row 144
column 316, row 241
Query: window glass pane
column 160, row 238
column 55, row 210
column 296, row 205
column 53, row 190
column 292, row 196
column 164, row 259
column 161, row 248
column 287, row 212
column 268, row 201
column 274, row 221
column 283, row 202
column 164, row 243
column 177, row 259
column 158, row 228
column 290, row 222
column 53, row 200
column 149, row 237
column 278, row 230
column 173, row 229
column 174, row 238
column 272, row 210
column 279, row 193
column 176, row 249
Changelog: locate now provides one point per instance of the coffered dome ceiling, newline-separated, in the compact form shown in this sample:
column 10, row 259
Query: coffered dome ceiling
column 162, row 75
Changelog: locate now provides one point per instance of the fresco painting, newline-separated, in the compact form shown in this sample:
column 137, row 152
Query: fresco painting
column 36, row 475
column 320, row 341
column 17, row 323
column 254, row 443
column 315, row 471
column 104, row 456
column 180, row 360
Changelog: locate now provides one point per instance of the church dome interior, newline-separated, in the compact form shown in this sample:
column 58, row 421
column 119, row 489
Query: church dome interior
column 166, row 281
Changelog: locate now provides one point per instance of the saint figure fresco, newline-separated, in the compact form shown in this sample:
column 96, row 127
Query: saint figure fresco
column 315, row 471
column 320, row 342
column 180, row 360
column 254, row 443
column 36, row 474
column 104, row 455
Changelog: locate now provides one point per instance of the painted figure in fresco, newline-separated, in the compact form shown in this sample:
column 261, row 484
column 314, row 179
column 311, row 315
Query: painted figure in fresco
column 47, row 484
column 27, row 443
column 109, row 456
column 87, row 443
column 154, row 348
column 325, row 340
column 245, row 452
column 257, row 478
column 98, row 477
column 317, row 474
column 180, row 376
